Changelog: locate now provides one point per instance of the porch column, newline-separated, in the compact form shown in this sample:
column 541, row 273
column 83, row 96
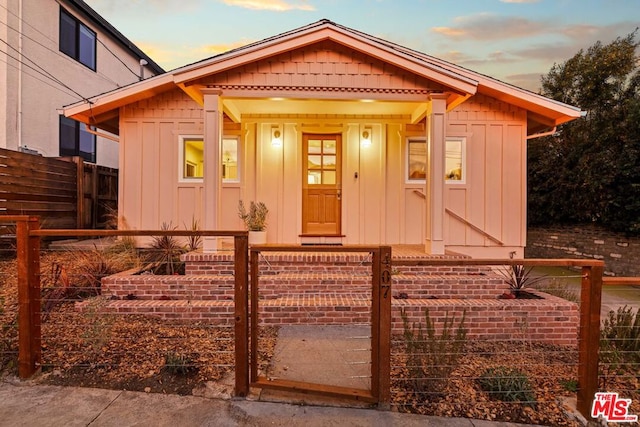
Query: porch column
column 212, row 164
column 434, row 238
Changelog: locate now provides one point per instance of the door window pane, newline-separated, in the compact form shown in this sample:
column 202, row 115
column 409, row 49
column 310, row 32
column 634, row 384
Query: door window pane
column 315, row 146
column 329, row 177
column 315, row 162
column 329, row 147
column 314, row 177
column 329, row 162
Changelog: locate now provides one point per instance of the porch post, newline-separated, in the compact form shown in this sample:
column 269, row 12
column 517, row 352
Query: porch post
column 213, row 123
column 434, row 239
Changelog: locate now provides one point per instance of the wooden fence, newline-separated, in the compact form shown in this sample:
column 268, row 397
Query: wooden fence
column 63, row 192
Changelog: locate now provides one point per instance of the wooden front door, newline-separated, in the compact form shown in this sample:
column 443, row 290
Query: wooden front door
column 321, row 185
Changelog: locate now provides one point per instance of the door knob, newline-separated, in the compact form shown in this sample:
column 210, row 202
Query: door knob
column 339, row 194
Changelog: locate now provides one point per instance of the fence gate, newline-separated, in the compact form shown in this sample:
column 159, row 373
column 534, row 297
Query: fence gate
column 306, row 353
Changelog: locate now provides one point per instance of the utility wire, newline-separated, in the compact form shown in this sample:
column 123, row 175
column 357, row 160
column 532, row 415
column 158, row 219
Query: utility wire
column 58, row 53
column 40, row 70
column 34, row 76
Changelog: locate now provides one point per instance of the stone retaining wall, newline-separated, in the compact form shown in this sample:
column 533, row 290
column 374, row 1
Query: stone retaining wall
column 620, row 253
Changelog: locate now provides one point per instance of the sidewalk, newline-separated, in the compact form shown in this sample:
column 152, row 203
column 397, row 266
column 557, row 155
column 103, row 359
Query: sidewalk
column 29, row 404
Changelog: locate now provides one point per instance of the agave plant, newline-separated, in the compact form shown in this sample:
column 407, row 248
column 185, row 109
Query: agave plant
column 519, row 276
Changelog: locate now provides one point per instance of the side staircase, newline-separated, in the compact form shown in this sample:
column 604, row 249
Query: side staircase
column 335, row 288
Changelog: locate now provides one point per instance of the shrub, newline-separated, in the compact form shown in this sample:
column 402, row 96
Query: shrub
column 431, row 358
column 619, row 343
column 256, row 218
column 507, row 384
column 166, row 251
column 178, row 364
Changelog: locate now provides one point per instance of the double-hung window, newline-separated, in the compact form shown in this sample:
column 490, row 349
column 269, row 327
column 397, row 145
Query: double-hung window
column 76, row 141
column 77, row 40
column 192, row 159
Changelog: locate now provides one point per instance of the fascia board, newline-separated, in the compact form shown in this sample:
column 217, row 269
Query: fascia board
column 119, row 97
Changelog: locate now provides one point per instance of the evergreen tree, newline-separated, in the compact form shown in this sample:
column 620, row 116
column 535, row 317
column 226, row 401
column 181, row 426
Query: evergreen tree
column 590, row 171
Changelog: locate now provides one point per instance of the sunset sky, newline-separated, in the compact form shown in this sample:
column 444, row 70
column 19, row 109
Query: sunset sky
column 513, row 40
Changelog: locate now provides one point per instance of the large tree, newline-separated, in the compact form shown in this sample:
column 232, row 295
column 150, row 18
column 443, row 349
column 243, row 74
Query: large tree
column 589, row 172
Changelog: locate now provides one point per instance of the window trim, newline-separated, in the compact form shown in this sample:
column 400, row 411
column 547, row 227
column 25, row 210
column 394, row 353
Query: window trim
column 181, row 160
column 77, row 37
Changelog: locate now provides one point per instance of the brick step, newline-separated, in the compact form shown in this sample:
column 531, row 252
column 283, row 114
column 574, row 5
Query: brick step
column 215, row 312
column 461, row 286
column 551, row 319
column 336, row 262
column 221, row 287
column 159, row 287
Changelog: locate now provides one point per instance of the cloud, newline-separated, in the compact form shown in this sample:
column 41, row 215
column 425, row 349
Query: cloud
column 273, row 5
column 488, row 26
column 529, row 81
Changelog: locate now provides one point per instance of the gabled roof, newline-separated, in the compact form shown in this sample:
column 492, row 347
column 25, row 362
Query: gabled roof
column 460, row 81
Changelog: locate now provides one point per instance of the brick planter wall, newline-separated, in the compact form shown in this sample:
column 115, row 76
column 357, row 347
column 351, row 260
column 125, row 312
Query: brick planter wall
column 334, row 299
column 620, row 253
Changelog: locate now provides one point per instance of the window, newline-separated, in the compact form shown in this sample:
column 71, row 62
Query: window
column 76, row 141
column 77, row 40
column 192, row 159
column 455, row 161
column 417, row 160
column 230, row 160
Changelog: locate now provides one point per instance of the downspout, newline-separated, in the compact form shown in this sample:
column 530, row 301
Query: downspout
column 540, row 135
column 20, row 47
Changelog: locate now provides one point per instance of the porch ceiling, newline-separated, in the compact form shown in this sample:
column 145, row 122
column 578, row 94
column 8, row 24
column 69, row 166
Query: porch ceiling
column 321, row 107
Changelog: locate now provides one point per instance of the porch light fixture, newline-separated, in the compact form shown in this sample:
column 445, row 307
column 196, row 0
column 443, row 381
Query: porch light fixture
column 276, row 137
column 366, row 138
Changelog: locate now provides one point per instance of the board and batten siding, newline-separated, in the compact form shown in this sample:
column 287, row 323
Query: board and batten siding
column 493, row 197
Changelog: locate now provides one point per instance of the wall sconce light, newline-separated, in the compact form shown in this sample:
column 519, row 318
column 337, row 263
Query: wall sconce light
column 276, row 137
column 366, row 138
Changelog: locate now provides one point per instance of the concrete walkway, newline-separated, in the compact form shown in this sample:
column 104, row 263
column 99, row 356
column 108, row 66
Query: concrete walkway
column 29, row 404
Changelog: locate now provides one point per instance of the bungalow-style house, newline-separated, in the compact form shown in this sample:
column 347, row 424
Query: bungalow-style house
column 347, row 138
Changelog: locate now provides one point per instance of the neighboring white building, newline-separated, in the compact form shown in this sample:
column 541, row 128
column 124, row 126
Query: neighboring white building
column 54, row 53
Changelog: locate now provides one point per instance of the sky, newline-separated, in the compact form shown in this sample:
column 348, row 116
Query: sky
column 515, row 41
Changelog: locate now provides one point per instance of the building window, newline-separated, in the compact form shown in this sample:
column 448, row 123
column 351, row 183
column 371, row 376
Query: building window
column 77, row 40
column 416, row 160
column 230, row 160
column 192, row 159
column 76, row 141
column 192, row 154
column 454, row 160
column 455, row 168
